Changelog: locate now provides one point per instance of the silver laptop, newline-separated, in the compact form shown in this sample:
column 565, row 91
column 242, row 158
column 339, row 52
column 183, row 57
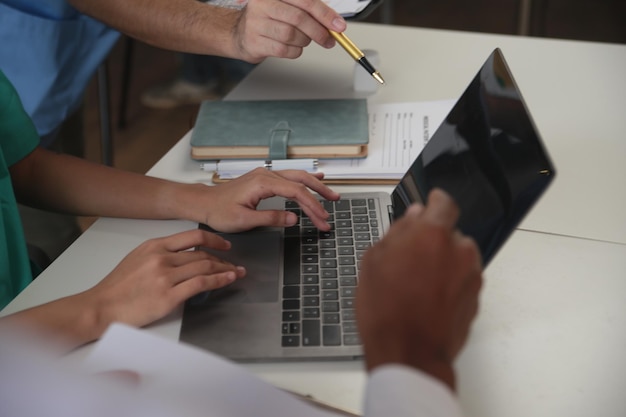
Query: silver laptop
column 297, row 300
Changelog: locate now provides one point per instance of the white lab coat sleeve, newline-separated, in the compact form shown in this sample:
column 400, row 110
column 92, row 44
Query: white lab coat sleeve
column 402, row 391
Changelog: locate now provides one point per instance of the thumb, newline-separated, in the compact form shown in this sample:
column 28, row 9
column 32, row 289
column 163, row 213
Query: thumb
column 275, row 218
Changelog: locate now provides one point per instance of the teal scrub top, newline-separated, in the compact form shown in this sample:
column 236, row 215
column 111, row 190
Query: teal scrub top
column 50, row 51
column 18, row 138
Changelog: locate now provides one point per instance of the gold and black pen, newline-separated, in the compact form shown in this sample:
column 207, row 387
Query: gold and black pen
column 356, row 53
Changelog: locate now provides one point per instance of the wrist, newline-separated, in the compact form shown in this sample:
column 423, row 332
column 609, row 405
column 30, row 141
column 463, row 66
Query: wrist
column 92, row 317
column 191, row 202
column 425, row 360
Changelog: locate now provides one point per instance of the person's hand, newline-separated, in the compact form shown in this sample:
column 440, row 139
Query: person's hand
column 283, row 28
column 231, row 206
column 418, row 290
column 158, row 276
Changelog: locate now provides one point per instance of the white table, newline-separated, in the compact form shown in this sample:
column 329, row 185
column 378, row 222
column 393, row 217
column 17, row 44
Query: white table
column 551, row 334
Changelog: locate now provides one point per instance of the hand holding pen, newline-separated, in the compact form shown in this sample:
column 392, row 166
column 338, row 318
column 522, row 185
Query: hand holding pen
column 357, row 55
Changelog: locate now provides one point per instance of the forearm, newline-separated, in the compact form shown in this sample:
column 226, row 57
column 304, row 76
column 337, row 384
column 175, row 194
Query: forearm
column 71, row 185
column 181, row 25
column 66, row 323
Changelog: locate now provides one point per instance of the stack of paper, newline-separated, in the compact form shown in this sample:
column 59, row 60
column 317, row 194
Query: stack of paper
column 397, row 134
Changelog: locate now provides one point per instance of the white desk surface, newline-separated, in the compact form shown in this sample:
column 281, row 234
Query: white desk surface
column 551, row 334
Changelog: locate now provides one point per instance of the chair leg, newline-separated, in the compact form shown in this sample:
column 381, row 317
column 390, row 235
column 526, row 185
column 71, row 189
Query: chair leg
column 523, row 22
column 129, row 46
column 386, row 14
column 106, row 141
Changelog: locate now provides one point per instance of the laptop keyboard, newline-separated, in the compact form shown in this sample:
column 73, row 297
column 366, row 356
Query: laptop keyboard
column 320, row 273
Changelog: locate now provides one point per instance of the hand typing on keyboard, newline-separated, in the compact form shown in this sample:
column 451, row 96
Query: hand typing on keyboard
column 418, row 291
column 231, row 207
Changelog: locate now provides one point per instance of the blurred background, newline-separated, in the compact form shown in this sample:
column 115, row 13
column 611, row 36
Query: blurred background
column 142, row 134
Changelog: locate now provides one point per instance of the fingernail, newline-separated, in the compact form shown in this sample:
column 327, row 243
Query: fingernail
column 339, row 24
column 291, row 219
column 241, row 270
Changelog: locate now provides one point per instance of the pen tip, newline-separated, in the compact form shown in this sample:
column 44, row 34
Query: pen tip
column 378, row 77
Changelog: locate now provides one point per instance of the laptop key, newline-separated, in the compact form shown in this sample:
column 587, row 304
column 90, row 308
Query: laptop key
column 291, row 341
column 291, row 291
column 311, row 333
column 330, row 306
column 328, row 206
column 347, row 270
column 345, row 241
column 329, row 284
column 292, row 231
column 346, row 250
column 351, row 339
column 326, row 235
column 331, row 318
column 311, row 279
column 331, row 335
column 344, row 223
column 310, row 249
column 346, row 260
column 329, row 264
column 310, row 290
column 291, row 261
column 328, row 295
column 362, row 245
column 342, row 205
column 350, row 327
column 329, row 273
column 347, row 281
column 310, row 301
column 348, row 315
column 348, row 292
column 291, row 316
column 291, row 204
column 343, row 215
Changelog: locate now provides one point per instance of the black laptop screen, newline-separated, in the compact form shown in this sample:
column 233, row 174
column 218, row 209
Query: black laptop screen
column 488, row 155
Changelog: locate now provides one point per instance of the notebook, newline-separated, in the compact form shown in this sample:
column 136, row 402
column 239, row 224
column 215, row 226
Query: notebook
column 297, row 301
column 280, row 129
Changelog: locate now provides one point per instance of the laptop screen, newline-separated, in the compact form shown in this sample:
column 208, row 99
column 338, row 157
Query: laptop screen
column 488, row 155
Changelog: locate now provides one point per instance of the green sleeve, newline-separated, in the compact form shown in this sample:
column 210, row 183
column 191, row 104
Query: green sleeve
column 18, row 136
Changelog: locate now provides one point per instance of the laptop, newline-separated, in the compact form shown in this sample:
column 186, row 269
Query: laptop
column 297, row 300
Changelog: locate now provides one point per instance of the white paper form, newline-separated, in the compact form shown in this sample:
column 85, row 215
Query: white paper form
column 193, row 382
column 348, row 8
column 398, row 133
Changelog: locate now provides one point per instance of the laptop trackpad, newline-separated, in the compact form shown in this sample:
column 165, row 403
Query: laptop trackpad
column 260, row 253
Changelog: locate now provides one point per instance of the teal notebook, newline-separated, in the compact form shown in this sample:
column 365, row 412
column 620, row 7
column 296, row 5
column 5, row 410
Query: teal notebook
column 280, row 129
